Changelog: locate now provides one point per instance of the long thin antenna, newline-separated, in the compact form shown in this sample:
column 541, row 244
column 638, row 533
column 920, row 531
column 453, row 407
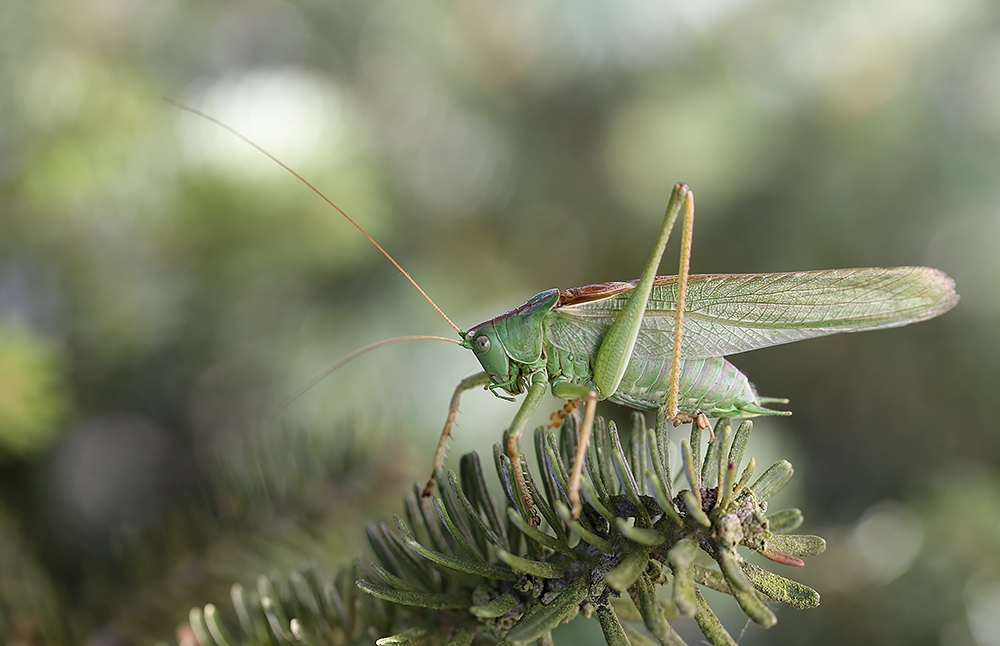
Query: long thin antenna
column 325, row 198
column 301, row 390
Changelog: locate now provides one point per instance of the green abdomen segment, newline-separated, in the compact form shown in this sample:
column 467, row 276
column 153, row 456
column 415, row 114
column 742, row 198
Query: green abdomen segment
column 711, row 386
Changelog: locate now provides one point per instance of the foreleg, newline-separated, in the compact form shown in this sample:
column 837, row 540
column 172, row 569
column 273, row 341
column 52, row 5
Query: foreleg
column 476, row 380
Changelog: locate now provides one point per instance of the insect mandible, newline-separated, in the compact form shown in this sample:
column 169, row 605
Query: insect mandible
column 659, row 342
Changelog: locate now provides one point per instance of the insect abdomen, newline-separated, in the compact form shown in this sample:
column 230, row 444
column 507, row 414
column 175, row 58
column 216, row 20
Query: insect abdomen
column 712, row 386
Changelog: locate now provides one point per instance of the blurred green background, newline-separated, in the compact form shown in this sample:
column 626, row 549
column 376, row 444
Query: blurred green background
column 163, row 285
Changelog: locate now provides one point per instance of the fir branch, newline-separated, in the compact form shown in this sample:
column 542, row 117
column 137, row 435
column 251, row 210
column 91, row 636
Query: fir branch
column 457, row 571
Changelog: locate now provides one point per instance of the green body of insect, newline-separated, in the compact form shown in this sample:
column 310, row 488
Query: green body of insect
column 622, row 341
column 564, row 337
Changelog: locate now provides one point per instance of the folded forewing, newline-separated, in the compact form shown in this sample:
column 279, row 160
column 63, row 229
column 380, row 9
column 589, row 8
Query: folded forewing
column 730, row 313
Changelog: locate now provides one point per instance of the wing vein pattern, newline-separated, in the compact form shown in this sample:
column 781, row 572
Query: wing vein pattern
column 731, row 313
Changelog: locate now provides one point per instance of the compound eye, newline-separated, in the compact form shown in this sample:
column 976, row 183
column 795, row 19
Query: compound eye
column 482, row 344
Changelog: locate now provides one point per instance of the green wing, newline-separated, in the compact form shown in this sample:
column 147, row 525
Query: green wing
column 730, row 313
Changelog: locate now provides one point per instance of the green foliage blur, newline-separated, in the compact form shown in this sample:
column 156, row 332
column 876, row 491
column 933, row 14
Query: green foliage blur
column 163, row 285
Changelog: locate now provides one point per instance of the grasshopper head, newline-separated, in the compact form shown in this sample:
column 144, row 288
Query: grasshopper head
column 510, row 345
column 485, row 343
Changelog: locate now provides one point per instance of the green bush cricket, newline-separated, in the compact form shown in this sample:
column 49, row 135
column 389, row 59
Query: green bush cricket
column 659, row 342
column 623, row 341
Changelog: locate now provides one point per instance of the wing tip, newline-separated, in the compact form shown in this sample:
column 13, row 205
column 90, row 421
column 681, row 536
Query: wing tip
column 941, row 293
